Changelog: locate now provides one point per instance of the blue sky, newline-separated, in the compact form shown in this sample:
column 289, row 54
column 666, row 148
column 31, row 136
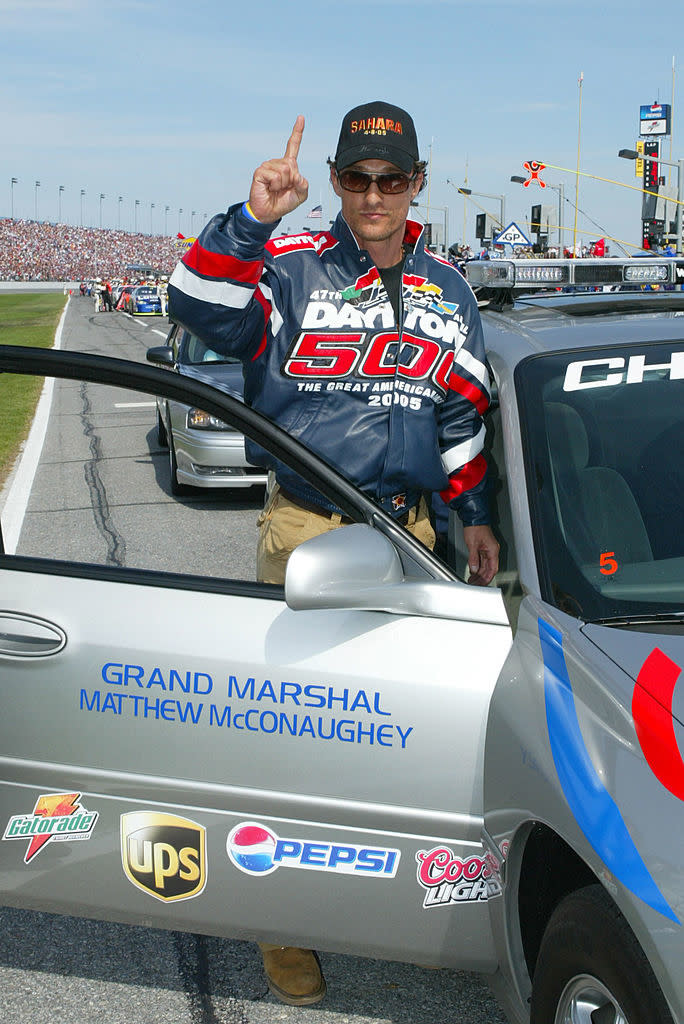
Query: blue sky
column 176, row 103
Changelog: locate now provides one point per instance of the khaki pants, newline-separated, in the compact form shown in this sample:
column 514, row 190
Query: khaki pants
column 283, row 525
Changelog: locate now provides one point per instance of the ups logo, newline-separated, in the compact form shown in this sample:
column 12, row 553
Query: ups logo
column 164, row 855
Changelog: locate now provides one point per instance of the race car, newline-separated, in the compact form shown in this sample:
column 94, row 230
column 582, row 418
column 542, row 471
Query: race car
column 143, row 299
column 489, row 779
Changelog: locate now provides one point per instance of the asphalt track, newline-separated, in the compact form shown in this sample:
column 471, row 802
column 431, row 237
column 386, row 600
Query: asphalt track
column 65, row 970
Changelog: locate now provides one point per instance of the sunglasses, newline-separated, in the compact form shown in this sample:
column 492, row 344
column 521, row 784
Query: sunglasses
column 391, row 184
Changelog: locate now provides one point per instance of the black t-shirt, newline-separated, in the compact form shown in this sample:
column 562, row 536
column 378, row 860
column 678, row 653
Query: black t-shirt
column 391, row 278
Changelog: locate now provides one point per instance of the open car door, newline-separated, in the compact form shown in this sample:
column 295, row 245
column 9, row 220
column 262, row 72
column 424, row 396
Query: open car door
column 185, row 747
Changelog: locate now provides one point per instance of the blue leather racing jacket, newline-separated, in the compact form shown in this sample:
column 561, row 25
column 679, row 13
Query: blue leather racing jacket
column 396, row 408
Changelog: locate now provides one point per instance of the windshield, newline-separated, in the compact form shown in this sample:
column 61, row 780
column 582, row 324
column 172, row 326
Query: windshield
column 605, row 468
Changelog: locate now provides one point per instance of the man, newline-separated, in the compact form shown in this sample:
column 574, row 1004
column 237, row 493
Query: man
column 107, row 296
column 360, row 343
column 162, row 288
column 96, row 293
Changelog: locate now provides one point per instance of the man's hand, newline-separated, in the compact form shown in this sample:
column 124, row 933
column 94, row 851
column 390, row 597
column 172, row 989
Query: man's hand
column 483, row 554
column 277, row 186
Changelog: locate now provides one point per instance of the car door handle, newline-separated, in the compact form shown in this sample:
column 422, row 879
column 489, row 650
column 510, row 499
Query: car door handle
column 25, row 636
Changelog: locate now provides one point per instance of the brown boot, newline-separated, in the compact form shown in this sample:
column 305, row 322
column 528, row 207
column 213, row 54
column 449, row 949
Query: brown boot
column 294, row 975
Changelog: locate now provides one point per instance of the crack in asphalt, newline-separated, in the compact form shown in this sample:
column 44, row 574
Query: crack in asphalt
column 193, row 963
column 115, row 543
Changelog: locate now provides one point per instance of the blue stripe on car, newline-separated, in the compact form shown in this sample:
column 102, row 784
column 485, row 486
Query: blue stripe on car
column 590, row 802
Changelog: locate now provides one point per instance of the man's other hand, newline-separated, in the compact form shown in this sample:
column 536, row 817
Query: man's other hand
column 483, row 554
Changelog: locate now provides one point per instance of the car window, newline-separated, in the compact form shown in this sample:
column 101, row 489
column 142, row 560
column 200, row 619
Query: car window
column 605, row 476
column 197, row 351
column 101, row 493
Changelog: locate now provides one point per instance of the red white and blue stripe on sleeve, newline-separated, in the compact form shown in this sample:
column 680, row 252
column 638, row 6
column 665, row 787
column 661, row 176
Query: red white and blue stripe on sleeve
column 463, row 461
column 216, row 277
column 224, row 298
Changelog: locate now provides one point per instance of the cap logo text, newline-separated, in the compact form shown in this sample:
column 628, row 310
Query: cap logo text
column 376, row 126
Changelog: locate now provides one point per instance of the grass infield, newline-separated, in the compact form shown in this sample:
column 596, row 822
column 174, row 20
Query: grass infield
column 26, row 318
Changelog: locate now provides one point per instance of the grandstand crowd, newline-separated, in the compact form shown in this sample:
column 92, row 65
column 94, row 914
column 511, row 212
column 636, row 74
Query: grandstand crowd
column 39, row 251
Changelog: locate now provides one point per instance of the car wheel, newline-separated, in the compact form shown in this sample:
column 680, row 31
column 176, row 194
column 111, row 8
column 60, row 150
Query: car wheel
column 162, row 437
column 591, row 967
column 176, row 488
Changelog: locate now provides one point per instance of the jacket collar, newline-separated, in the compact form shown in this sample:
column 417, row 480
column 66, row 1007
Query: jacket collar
column 414, row 235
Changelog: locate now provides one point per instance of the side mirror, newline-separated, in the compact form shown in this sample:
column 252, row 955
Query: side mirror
column 337, row 569
column 358, row 568
column 162, row 355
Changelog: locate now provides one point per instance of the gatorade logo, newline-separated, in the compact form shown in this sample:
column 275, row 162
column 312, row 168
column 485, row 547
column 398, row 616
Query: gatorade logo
column 164, row 855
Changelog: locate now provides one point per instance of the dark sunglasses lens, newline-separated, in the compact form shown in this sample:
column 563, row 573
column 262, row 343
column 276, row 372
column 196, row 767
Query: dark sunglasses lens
column 354, row 181
column 390, row 184
column 359, row 181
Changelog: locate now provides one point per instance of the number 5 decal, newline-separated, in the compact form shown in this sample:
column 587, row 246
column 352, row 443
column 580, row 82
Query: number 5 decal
column 608, row 563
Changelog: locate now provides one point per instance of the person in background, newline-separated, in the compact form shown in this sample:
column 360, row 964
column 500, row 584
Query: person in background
column 107, row 296
column 163, row 289
column 96, row 293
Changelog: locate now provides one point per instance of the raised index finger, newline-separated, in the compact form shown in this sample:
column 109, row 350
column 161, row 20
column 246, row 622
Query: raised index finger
column 295, row 140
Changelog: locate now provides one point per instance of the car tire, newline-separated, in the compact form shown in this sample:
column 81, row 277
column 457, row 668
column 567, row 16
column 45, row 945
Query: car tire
column 162, row 436
column 591, row 964
column 176, row 488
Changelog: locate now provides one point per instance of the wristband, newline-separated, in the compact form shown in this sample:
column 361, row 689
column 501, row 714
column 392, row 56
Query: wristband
column 247, row 210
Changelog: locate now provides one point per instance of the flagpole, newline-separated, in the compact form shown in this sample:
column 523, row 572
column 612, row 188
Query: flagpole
column 427, row 207
column 330, row 201
column 464, row 201
column 669, row 170
column 579, row 132
column 316, row 213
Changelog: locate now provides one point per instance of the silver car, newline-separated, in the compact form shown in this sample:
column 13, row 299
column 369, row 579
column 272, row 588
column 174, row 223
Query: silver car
column 203, row 451
column 376, row 758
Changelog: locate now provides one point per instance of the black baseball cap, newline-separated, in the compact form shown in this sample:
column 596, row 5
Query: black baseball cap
column 377, row 131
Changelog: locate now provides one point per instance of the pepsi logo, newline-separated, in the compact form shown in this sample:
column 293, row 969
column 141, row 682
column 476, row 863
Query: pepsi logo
column 251, row 848
column 256, row 850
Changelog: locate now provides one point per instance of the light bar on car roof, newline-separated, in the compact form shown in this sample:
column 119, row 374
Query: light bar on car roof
column 553, row 275
column 655, row 272
column 580, row 273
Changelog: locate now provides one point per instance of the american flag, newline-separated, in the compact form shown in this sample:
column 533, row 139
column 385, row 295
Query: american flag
column 316, row 212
